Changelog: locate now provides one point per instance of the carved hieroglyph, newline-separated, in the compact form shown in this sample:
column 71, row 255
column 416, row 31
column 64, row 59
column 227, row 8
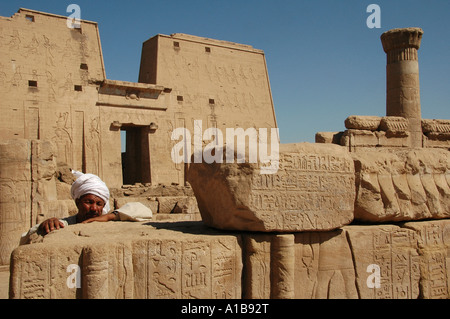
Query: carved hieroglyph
column 313, row 189
column 402, row 185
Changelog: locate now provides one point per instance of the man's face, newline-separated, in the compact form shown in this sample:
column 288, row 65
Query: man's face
column 89, row 206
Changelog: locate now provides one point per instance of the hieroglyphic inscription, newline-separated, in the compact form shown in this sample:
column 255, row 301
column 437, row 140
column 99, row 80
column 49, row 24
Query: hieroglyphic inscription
column 164, row 269
column 306, row 187
column 399, row 264
column 33, row 283
column 437, row 275
column 434, row 252
column 192, row 269
column 224, row 269
column 196, row 273
column 394, row 252
column 37, row 278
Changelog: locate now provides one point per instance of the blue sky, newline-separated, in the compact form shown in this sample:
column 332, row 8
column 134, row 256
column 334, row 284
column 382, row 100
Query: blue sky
column 324, row 62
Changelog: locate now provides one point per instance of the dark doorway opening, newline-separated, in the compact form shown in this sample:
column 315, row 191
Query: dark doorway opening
column 135, row 155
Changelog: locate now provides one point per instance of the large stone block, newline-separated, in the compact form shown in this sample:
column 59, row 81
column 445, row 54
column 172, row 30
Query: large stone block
column 119, row 260
column 361, row 122
column 313, row 189
column 386, row 261
column 402, row 185
column 186, row 260
column 309, row 265
column 354, row 262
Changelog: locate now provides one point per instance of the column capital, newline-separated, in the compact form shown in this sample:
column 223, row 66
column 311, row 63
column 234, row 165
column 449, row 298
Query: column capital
column 404, row 38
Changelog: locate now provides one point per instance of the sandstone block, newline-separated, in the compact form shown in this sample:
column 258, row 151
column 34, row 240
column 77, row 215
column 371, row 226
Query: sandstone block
column 313, row 189
column 18, row 149
column 16, row 170
column 386, row 261
column 361, row 122
column 359, row 138
column 329, row 137
column 44, row 160
column 437, row 133
column 435, row 126
column 354, row 262
column 394, row 126
column 188, row 260
column 121, row 260
column 402, row 185
column 309, row 265
column 177, row 204
column 433, row 242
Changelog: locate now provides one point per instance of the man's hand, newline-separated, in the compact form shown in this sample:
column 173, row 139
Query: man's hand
column 102, row 218
column 50, row 225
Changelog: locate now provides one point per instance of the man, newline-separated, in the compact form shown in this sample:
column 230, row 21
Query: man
column 91, row 197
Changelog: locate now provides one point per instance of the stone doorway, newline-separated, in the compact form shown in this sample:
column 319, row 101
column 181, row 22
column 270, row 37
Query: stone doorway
column 135, row 155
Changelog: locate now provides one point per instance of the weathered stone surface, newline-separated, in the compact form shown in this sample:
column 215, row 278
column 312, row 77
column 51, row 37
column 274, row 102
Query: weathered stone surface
column 312, row 190
column 329, row 137
column 402, row 185
column 385, row 255
column 394, row 126
column 188, row 260
column 437, row 133
column 121, row 260
column 361, row 122
column 15, row 194
column 435, row 126
column 433, row 247
column 177, row 205
column 309, row 265
column 334, row 264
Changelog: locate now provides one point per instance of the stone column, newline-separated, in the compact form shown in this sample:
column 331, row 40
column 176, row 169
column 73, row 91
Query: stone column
column 402, row 78
column 282, row 266
column 95, row 272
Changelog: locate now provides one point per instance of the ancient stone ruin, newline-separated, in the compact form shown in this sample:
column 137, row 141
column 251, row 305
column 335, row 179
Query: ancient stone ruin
column 362, row 213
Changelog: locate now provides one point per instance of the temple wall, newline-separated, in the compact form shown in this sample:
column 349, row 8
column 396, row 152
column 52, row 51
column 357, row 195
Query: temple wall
column 53, row 87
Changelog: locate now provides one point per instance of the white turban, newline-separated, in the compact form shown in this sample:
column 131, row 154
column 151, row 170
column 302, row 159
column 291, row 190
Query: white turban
column 90, row 184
